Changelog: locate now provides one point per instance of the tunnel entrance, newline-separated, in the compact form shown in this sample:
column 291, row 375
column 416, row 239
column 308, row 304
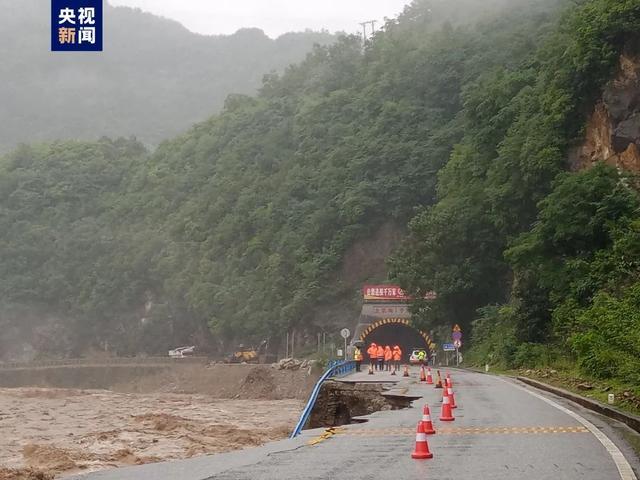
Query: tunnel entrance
column 396, row 332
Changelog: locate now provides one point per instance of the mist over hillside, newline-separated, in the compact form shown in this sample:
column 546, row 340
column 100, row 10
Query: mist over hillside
column 153, row 80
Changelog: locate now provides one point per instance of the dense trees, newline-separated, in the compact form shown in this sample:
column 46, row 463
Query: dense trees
column 242, row 223
column 239, row 228
column 524, row 253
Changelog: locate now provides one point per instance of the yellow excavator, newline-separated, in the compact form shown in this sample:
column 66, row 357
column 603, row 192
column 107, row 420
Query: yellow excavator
column 247, row 354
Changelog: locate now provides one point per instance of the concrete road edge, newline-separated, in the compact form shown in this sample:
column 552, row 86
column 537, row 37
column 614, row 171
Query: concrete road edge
column 632, row 421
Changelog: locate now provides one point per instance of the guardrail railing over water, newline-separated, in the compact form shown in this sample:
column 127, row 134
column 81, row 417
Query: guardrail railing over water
column 336, row 368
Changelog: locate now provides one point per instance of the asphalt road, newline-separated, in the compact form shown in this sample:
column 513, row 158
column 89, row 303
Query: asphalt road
column 502, row 431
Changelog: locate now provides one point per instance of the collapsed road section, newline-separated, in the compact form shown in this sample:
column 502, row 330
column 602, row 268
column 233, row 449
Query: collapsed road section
column 340, row 402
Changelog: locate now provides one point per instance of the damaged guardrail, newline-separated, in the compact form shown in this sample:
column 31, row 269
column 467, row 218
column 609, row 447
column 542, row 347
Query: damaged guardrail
column 336, row 368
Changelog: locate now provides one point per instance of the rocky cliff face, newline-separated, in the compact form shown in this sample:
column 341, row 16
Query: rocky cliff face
column 613, row 131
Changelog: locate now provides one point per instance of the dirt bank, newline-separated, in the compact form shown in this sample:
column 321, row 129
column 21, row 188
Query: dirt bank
column 176, row 413
column 217, row 380
column 226, row 381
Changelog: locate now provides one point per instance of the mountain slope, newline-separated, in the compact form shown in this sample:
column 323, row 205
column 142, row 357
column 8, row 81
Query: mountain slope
column 246, row 222
column 153, row 80
column 525, row 254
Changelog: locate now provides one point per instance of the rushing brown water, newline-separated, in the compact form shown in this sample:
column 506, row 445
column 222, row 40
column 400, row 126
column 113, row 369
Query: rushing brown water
column 63, row 431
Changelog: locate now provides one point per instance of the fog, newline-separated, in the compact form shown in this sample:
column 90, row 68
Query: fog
column 275, row 17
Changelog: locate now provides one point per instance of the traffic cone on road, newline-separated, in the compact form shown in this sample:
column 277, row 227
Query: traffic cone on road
column 370, row 369
column 446, row 415
column 421, row 450
column 406, row 371
column 423, row 377
column 429, row 376
column 439, row 379
column 449, row 380
column 426, row 421
column 451, row 395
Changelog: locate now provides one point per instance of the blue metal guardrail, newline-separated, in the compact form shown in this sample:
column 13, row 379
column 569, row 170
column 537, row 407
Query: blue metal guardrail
column 336, row 368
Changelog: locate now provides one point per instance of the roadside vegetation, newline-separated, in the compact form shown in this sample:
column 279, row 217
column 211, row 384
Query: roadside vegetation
column 541, row 265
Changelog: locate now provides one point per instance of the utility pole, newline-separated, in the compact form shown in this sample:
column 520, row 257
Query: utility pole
column 364, row 29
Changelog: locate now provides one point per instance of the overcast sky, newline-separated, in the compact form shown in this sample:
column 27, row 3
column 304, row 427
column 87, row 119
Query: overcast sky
column 275, row 17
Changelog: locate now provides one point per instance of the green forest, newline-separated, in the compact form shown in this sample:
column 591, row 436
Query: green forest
column 455, row 128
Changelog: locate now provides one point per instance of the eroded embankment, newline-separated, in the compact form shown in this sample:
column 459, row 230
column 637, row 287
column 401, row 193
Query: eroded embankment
column 216, row 380
column 340, row 403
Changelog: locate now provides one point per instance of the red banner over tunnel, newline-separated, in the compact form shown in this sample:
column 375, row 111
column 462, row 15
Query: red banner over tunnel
column 389, row 292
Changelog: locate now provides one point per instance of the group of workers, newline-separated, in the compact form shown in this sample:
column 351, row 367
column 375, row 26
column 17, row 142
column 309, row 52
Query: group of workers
column 381, row 358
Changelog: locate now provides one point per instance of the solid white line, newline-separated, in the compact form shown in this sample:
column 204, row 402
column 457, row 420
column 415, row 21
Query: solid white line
column 626, row 472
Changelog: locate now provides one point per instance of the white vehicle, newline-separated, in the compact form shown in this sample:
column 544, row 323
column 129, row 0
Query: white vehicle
column 416, row 354
column 182, row 352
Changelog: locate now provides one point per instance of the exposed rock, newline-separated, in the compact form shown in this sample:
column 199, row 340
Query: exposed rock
column 289, row 364
column 584, row 386
column 613, row 131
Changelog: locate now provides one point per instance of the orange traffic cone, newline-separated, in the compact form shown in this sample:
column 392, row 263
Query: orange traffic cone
column 451, row 395
column 429, row 376
column 422, row 447
column 423, row 377
column 449, row 380
column 426, row 421
column 370, row 369
column 406, row 371
column 439, row 379
column 446, row 415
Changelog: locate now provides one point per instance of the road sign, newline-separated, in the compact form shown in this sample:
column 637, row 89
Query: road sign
column 344, row 333
column 457, row 343
column 456, row 335
column 448, row 347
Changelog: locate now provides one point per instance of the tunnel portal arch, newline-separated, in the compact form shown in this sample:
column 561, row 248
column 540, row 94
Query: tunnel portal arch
column 388, row 331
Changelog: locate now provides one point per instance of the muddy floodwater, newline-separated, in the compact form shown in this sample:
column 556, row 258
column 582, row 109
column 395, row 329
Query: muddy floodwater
column 62, row 432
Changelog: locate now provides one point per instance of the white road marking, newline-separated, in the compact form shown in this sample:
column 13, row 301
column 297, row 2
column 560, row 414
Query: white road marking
column 625, row 470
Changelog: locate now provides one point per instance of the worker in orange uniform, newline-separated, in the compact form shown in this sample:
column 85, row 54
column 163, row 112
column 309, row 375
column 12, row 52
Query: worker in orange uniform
column 388, row 356
column 397, row 356
column 380, row 355
column 372, row 351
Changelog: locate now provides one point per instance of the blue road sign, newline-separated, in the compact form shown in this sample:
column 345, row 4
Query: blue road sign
column 448, row 347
